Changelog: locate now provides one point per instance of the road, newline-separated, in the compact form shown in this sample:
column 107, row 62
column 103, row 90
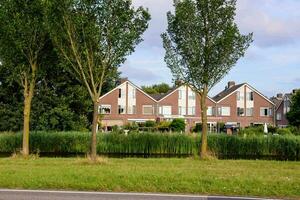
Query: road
column 68, row 195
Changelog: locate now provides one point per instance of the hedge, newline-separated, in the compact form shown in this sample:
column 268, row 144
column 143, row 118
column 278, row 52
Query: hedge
column 149, row 144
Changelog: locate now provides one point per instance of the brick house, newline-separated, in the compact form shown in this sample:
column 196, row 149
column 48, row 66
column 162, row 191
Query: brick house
column 242, row 105
column 283, row 103
column 128, row 103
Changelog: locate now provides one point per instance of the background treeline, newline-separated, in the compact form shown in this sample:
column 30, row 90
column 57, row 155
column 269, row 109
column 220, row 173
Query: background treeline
column 60, row 102
column 156, row 144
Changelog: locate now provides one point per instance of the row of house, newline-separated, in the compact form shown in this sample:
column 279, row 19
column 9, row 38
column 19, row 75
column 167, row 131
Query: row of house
column 238, row 105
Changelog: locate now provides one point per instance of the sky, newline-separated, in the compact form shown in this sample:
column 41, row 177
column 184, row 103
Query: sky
column 271, row 64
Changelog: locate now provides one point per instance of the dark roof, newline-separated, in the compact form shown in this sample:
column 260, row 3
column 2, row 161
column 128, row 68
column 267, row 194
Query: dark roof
column 158, row 97
column 276, row 101
column 226, row 92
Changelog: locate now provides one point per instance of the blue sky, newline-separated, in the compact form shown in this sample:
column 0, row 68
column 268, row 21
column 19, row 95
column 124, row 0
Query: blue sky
column 271, row 64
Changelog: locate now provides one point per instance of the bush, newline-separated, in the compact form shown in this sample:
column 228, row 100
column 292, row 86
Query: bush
column 178, row 125
column 197, row 128
column 150, row 124
column 164, row 126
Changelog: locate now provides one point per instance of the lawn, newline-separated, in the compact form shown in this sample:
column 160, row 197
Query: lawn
column 216, row 177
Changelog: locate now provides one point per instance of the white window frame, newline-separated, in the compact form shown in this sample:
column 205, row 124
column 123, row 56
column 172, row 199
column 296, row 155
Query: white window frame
column 269, row 111
column 103, row 106
column 278, row 116
column 133, row 93
column 238, row 95
column 210, row 111
column 192, row 95
column 148, row 106
column 221, row 111
column 161, row 110
column 251, row 112
column 124, row 109
column 131, row 110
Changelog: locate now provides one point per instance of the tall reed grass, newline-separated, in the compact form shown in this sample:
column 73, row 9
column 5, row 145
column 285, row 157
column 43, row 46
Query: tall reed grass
column 148, row 144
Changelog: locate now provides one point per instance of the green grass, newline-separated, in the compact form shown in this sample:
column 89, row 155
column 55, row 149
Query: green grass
column 215, row 177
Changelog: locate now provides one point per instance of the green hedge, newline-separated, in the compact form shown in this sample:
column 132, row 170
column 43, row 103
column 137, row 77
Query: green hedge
column 223, row 146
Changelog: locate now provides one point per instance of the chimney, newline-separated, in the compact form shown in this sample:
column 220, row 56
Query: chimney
column 123, row 80
column 230, row 84
column 279, row 96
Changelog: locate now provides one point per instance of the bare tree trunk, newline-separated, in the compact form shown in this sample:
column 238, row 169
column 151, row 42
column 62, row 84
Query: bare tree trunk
column 94, row 132
column 28, row 94
column 203, row 148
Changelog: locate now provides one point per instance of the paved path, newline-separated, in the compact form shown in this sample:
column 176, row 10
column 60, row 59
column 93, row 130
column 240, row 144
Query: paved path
column 68, row 195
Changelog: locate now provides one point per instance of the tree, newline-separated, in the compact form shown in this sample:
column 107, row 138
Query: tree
column 23, row 38
column 293, row 115
column 202, row 44
column 94, row 37
column 156, row 88
column 178, row 125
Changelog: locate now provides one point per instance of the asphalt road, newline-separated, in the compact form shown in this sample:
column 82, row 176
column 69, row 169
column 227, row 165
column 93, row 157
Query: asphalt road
column 68, row 195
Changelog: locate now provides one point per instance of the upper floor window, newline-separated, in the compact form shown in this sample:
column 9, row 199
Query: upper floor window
column 133, row 93
column 249, row 112
column 192, row 95
column 249, row 96
column 240, row 112
column 278, row 116
column 165, row 110
column 105, row 109
column 224, row 111
column 180, row 94
column 265, row 112
column 238, row 95
column 120, row 93
column 131, row 110
column 121, row 109
column 191, row 110
column 210, row 111
column 148, row 110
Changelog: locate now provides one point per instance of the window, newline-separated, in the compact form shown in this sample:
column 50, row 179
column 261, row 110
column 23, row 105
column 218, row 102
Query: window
column 224, row 111
column 192, row 95
column 133, row 93
column 105, row 109
column 240, row 112
column 278, row 116
column 249, row 112
column 264, row 112
column 209, row 111
column 121, row 109
column 181, row 110
column 132, row 110
column 180, row 93
column 249, row 96
column 148, row 110
column 120, row 93
column 191, row 110
column 238, row 95
column 166, row 110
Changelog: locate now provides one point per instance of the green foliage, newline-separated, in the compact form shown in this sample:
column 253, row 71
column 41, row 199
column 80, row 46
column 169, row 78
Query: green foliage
column 252, row 131
column 284, row 131
column 164, row 126
column 294, row 114
column 221, row 145
column 156, row 88
column 203, row 42
column 197, row 128
column 150, row 124
column 178, row 125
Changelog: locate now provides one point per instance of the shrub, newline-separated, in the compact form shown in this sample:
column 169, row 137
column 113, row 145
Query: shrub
column 197, row 128
column 251, row 131
column 150, row 123
column 178, row 125
column 164, row 126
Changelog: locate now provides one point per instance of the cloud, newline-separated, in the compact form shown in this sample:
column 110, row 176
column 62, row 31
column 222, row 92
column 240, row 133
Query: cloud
column 140, row 75
column 273, row 23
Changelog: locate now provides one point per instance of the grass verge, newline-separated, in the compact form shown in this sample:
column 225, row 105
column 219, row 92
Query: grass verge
column 216, row 177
